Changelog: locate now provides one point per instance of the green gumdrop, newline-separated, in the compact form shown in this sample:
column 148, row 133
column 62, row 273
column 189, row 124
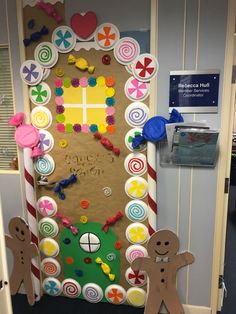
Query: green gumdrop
column 60, row 118
column 69, row 128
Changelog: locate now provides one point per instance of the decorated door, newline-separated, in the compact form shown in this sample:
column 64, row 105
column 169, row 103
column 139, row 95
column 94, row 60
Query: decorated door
column 89, row 99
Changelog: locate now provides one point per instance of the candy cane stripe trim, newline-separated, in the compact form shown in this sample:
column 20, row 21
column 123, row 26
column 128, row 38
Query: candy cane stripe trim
column 34, row 239
column 152, row 204
column 31, row 209
column 150, row 229
column 35, row 271
column 29, row 178
column 152, row 173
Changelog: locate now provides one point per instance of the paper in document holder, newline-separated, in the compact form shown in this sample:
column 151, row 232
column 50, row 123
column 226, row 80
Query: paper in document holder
column 192, row 148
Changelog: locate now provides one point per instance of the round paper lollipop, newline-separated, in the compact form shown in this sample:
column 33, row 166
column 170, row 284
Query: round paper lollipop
column 50, row 267
column 64, row 39
column 136, row 164
column 31, row 72
column 92, row 292
column 40, row 94
column 145, row 67
column 126, row 50
column 106, row 36
column 46, row 54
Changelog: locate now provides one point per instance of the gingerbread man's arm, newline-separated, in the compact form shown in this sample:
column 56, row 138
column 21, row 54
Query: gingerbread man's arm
column 141, row 263
column 10, row 243
column 33, row 250
column 183, row 259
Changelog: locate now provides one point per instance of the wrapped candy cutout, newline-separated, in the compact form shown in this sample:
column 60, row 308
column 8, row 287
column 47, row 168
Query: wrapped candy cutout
column 26, row 135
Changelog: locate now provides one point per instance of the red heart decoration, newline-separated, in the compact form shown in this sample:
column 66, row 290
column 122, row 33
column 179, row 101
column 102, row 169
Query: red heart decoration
column 84, row 25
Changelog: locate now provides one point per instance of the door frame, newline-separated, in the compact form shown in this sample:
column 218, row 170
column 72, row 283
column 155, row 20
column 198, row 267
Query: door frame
column 224, row 161
column 5, row 296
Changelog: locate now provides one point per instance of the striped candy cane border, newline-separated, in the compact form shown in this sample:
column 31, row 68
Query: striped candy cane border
column 30, row 199
column 152, row 187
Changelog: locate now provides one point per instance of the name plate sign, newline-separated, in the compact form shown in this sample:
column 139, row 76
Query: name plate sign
column 194, row 91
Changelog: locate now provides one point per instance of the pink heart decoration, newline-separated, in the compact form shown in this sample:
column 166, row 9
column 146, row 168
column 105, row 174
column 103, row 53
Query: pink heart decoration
column 84, row 25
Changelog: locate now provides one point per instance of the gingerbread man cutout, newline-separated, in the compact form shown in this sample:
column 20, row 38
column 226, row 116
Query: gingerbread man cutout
column 161, row 267
column 23, row 251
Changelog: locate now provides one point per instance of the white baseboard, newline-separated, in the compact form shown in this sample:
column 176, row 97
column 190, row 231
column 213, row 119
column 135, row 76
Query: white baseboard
column 192, row 309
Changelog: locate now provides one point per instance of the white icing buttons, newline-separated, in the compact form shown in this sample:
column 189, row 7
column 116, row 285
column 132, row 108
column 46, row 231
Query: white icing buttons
column 71, row 288
column 44, row 165
column 31, row 72
column 63, row 39
column 137, row 233
column 136, row 297
column 130, row 135
column 135, row 251
column 89, row 242
column 136, row 164
column 46, row 206
column 136, row 278
column 92, row 292
column 50, row 267
column 48, row 227
column 136, row 114
column 145, row 67
column 46, row 141
column 136, row 211
column 115, row 294
column 136, row 187
column 52, row 286
column 106, row 36
column 41, row 117
column 40, row 94
column 136, row 90
column 49, row 247
column 126, row 50
column 46, row 54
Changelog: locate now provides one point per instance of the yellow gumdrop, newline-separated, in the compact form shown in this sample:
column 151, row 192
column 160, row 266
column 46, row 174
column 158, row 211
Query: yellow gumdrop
column 110, row 92
column 84, row 219
column 102, row 128
column 63, row 143
column 101, row 81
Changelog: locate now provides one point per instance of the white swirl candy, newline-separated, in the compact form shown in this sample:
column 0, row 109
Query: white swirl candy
column 136, row 114
column 126, row 50
column 71, row 288
column 48, row 227
column 46, row 54
column 136, row 164
column 136, row 210
column 92, row 292
column 44, row 165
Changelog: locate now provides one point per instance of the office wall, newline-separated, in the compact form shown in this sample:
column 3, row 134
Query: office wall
column 191, row 35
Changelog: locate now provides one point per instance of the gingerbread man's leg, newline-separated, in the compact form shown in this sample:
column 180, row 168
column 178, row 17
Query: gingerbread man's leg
column 29, row 289
column 172, row 303
column 153, row 303
column 15, row 281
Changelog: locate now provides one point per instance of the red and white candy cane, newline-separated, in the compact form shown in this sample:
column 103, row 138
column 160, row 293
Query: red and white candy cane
column 30, row 198
column 152, row 187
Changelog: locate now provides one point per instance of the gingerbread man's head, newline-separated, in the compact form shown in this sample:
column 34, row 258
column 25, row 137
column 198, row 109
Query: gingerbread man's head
column 19, row 230
column 163, row 243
